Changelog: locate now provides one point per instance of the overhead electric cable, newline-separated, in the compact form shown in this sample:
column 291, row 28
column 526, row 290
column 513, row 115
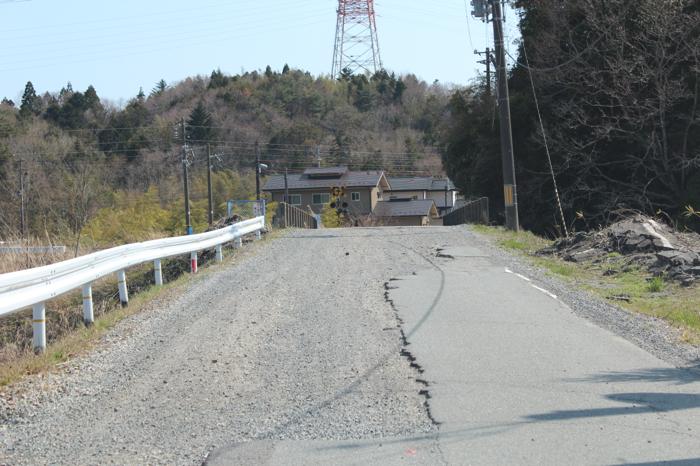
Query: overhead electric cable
column 546, row 145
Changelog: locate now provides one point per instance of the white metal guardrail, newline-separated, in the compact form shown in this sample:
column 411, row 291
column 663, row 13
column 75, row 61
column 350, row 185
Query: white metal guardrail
column 33, row 287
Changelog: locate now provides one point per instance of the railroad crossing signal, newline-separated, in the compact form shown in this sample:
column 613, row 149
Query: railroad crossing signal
column 338, row 191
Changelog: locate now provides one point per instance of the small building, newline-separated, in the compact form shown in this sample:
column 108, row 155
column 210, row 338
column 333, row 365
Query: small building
column 440, row 190
column 407, row 212
column 361, row 190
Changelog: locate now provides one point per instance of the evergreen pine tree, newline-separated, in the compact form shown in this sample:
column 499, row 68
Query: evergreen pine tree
column 217, row 79
column 199, row 124
column 92, row 101
column 31, row 103
column 159, row 88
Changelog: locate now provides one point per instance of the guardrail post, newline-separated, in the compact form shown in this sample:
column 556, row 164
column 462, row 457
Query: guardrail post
column 257, row 234
column 88, row 313
column 193, row 262
column 238, row 242
column 123, row 291
column 158, row 272
column 39, row 327
column 219, row 253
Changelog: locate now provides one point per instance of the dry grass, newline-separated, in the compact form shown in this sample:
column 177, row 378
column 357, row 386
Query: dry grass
column 614, row 279
column 13, row 261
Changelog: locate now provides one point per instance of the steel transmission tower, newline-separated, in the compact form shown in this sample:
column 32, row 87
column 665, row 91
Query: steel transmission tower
column 356, row 43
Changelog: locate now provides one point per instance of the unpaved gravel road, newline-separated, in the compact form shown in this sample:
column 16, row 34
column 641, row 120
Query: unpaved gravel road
column 293, row 342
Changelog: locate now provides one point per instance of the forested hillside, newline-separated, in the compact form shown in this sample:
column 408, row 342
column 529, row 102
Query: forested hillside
column 93, row 170
column 617, row 86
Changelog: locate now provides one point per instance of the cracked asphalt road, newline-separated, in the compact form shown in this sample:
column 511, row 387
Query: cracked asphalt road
column 361, row 346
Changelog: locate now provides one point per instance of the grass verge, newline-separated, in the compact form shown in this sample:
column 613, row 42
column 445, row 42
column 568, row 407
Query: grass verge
column 613, row 278
column 80, row 339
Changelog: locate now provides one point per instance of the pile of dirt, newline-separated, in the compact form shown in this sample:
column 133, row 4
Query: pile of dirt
column 641, row 240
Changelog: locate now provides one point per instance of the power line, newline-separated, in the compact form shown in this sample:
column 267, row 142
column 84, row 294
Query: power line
column 546, row 145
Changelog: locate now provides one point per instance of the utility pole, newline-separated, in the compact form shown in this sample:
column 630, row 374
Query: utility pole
column 509, row 186
column 486, row 61
column 185, row 166
column 318, row 156
column 286, row 188
column 257, row 171
column 510, row 195
column 446, row 181
column 22, row 214
column 210, row 217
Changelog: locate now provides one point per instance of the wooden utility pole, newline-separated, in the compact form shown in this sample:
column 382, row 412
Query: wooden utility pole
column 486, row 61
column 509, row 186
column 488, row 71
column 22, row 212
column 257, row 171
column 210, row 216
column 185, row 175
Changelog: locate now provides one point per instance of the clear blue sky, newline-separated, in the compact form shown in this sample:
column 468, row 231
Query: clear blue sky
column 118, row 46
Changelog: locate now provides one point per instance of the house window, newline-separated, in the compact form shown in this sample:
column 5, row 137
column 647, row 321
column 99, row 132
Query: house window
column 295, row 199
column 320, row 198
column 355, row 196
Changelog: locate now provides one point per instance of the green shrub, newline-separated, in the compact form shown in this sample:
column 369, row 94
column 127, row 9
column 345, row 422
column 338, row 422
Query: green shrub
column 656, row 284
column 330, row 218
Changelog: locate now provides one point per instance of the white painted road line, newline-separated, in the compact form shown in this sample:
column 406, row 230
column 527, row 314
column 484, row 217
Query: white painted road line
column 552, row 295
column 548, row 293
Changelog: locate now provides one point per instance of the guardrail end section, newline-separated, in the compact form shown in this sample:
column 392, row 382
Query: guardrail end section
column 123, row 291
column 88, row 311
column 39, row 327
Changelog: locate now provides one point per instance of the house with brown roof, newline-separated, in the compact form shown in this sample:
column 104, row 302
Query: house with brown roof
column 361, row 190
column 440, row 190
column 407, row 212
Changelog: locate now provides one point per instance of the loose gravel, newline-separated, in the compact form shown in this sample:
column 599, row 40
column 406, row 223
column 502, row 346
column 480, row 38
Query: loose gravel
column 295, row 341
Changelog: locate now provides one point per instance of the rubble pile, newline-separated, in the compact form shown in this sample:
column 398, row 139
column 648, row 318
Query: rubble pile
column 642, row 241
